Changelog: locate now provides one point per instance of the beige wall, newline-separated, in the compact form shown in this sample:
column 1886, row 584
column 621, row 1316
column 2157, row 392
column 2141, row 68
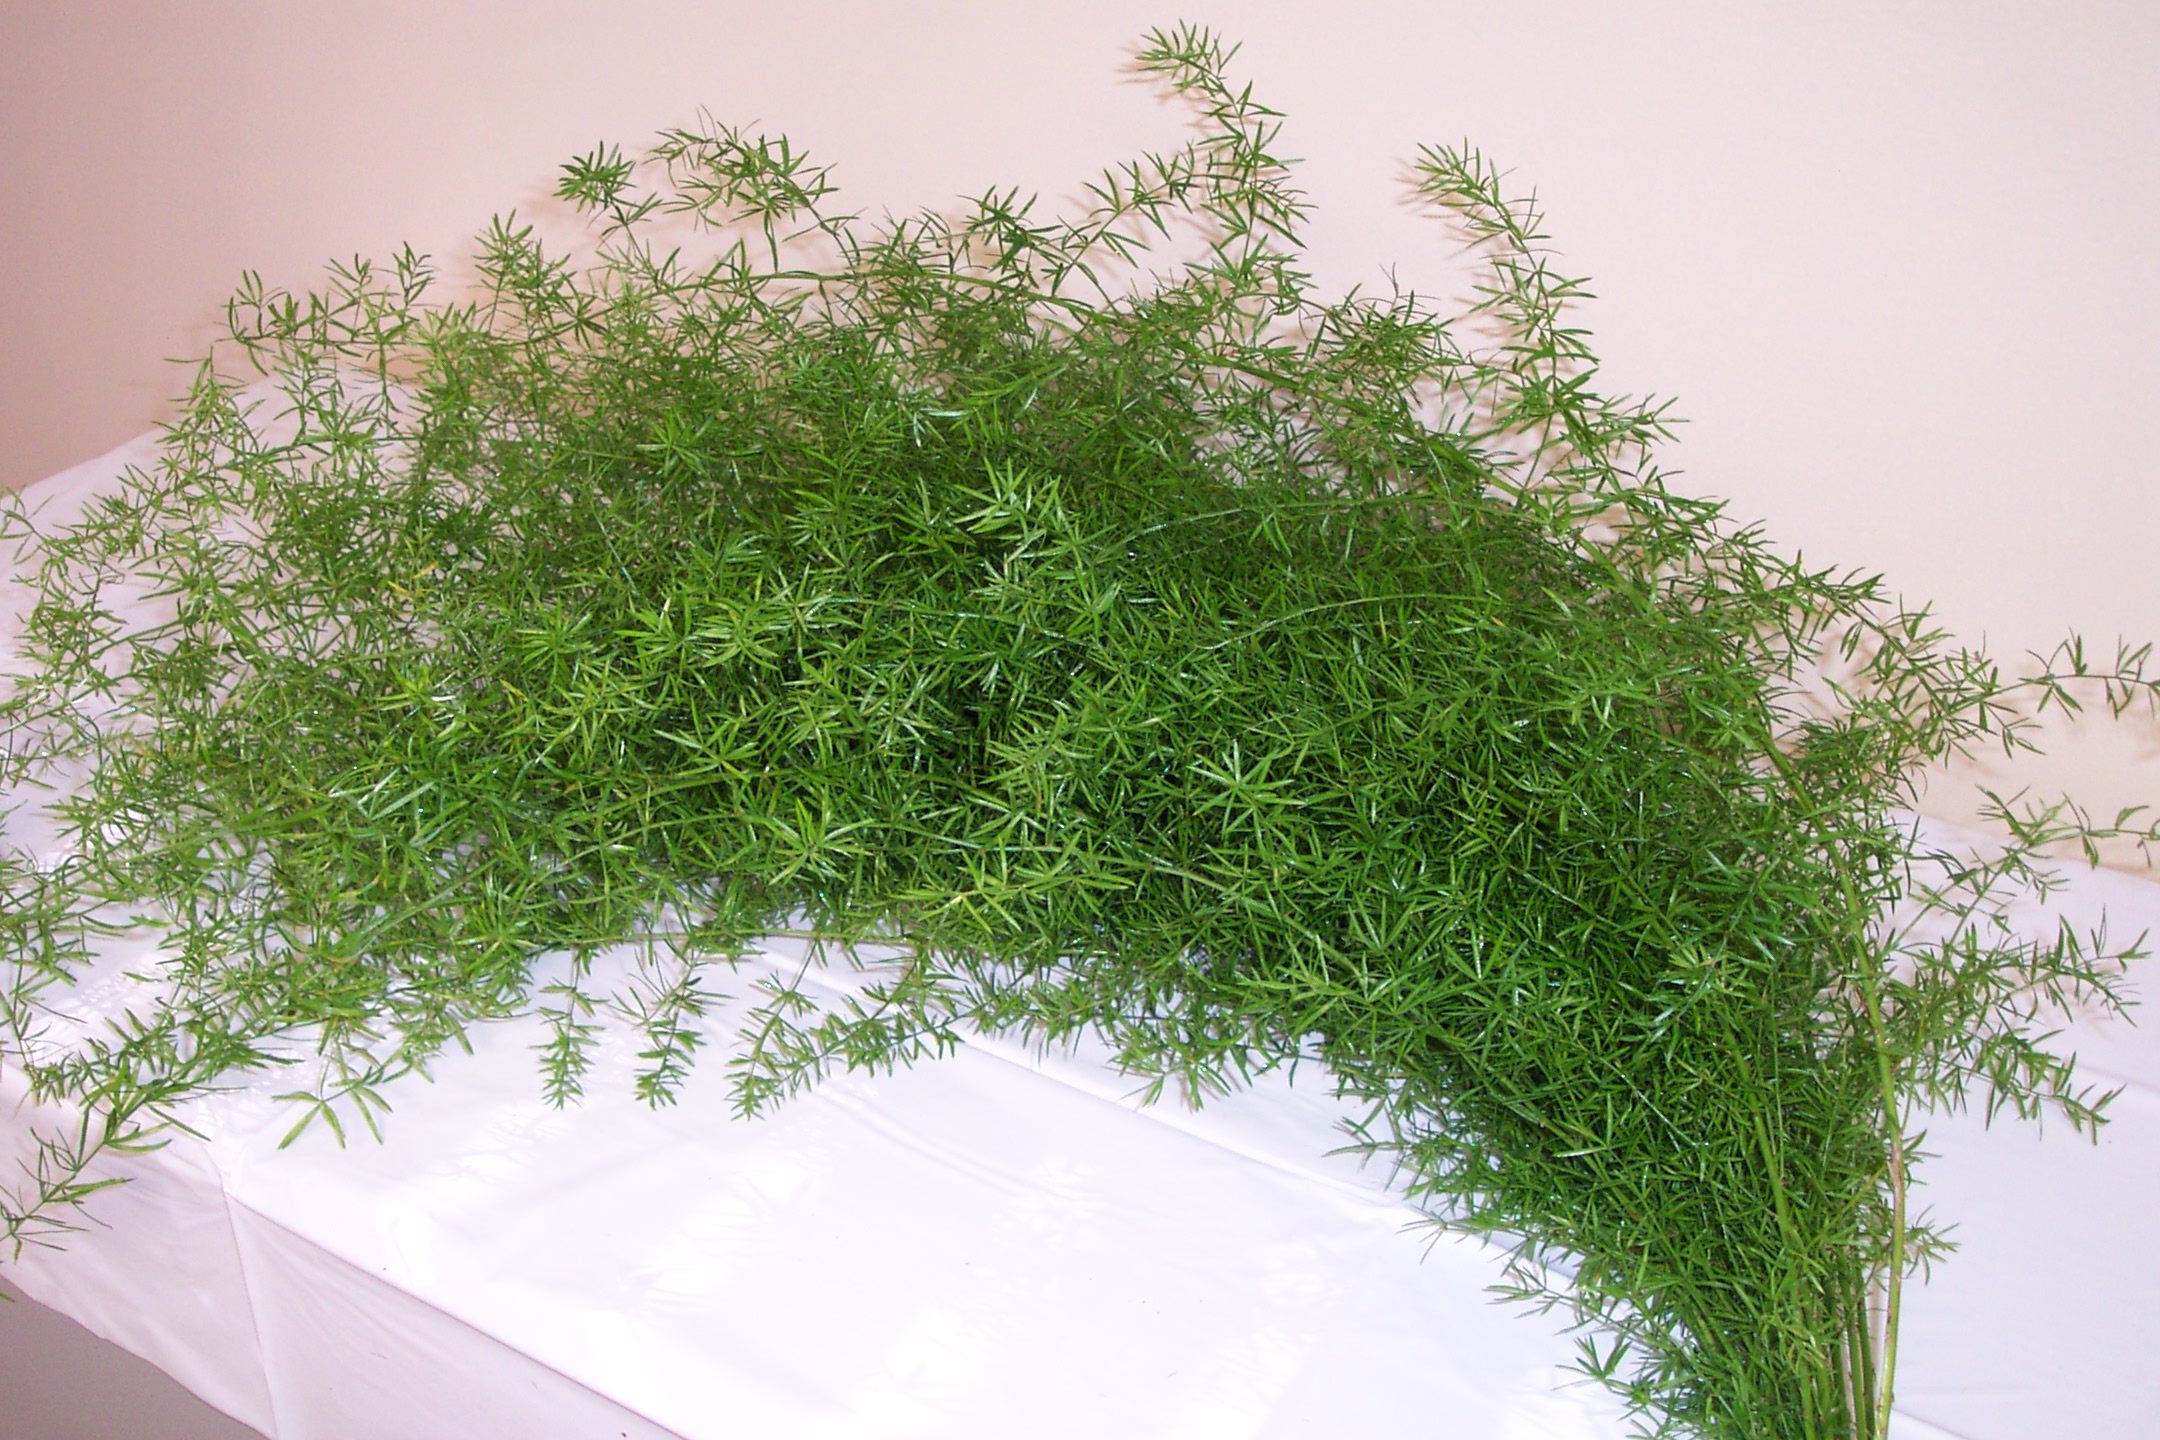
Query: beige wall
column 1895, row 260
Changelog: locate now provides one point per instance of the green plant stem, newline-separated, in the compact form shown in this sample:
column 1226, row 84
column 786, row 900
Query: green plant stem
column 1245, row 678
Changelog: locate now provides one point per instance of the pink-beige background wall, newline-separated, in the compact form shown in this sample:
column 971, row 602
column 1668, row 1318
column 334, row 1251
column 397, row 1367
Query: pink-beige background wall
column 1896, row 261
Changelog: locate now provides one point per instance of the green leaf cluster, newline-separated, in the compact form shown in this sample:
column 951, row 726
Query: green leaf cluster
column 1247, row 678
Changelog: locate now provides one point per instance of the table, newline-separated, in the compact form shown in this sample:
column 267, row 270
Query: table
column 995, row 1244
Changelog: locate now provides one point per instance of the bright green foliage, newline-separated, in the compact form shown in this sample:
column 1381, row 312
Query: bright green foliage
column 1246, row 677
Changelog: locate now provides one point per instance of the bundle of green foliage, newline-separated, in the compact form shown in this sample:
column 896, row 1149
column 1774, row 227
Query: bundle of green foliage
column 1248, row 678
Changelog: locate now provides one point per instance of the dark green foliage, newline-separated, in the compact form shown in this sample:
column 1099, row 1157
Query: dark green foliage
column 1248, row 678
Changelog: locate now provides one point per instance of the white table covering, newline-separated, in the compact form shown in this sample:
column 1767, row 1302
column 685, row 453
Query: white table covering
column 996, row 1244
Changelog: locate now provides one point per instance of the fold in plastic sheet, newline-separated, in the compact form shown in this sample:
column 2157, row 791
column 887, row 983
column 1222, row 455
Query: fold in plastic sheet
column 978, row 1246
column 994, row 1244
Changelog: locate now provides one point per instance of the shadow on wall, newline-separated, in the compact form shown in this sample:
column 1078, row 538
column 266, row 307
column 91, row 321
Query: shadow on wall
column 60, row 1382
column 2105, row 764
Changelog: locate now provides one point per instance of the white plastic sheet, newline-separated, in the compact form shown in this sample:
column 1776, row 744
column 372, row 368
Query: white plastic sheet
column 994, row 1244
